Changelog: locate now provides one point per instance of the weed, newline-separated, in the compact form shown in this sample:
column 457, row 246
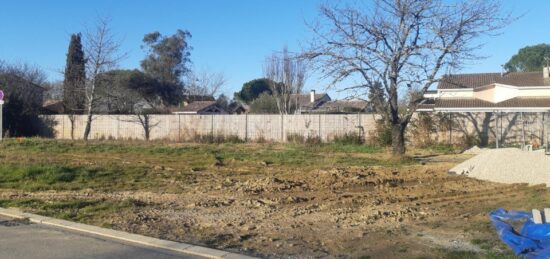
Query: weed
column 349, row 139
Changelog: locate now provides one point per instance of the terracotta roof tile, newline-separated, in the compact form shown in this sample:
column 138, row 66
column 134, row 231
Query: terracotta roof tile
column 483, row 79
column 517, row 102
column 304, row 100
column 340, row 105
column 197, row 106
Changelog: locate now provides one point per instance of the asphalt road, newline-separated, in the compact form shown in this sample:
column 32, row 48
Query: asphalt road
column 26, row 240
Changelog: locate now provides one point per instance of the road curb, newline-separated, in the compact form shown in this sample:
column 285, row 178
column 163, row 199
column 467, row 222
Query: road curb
column 124, row 236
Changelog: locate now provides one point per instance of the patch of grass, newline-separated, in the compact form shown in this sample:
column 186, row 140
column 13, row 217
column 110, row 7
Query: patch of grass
column 76, row 210
column 42, row 164
column 441, row 149
column 484, row 244
column 474, row 255
column 349, row 139
column 64, row 177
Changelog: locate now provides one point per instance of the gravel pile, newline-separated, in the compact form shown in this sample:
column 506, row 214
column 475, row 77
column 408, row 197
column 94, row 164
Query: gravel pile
column 507, row 165
column 475, row 150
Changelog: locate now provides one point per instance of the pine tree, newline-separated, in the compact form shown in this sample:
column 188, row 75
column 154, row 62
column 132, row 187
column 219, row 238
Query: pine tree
column 75, row 77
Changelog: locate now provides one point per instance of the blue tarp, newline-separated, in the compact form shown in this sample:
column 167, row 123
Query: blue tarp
column 534, row 239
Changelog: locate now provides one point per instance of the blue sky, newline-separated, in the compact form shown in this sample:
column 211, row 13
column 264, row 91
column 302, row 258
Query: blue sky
column 232, row 37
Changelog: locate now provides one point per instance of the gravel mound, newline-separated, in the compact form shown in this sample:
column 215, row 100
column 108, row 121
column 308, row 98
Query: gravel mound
column 507, row 165
column 475, row 150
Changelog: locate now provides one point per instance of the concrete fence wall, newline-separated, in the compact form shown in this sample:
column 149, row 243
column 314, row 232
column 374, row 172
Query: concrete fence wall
column 483, row 128
column 186, row 127
column 506, row 129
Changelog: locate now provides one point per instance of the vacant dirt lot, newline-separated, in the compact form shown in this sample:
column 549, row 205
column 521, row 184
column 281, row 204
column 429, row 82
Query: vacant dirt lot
column 266, row 200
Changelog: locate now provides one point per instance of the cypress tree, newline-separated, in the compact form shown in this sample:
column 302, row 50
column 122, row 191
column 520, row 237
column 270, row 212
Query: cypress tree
column 75, row 77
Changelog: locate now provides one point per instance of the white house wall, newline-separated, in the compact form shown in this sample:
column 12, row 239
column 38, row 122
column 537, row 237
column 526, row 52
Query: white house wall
column 504, row 92
column 496, row 94
column 487, row 94
column 534, row 92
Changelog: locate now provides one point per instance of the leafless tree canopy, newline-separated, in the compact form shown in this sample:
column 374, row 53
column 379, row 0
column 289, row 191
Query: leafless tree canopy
column 205, row 82
column 102, row 54
column 402, row 44
column 287, row 74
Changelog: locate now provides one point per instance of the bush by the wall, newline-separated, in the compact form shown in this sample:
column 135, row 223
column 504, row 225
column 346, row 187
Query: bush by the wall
column 216, row 139
column 382, row 135
column 350, row 138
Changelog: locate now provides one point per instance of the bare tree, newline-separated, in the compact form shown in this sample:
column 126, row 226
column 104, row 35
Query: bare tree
column 102, row 54
column 205, row 82
column 402, row 44
column 23, row 88
column 287, row 74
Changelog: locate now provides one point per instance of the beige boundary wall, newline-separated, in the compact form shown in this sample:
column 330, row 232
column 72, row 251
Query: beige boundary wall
column 274, row 128
column 512, row 129
column 506, row 128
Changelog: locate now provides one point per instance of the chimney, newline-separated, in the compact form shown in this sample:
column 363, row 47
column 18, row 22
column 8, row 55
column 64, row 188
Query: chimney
column 312, row 96
column 546, row 73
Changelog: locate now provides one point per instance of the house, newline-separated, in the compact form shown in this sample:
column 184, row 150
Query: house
column 322, row 103
column 238, row 108
column 200, row 107
column 500, row 107
column 53, row 107
column 189, row 98
column 490, row 92
column 308, row 103
column 344, row 106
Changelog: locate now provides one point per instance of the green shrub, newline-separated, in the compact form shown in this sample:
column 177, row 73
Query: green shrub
column 296, row 138
column 349, row 139
column 382, row 135
column 217, row 139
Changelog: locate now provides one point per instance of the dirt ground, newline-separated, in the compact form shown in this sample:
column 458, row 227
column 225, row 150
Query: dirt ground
column 413, row 211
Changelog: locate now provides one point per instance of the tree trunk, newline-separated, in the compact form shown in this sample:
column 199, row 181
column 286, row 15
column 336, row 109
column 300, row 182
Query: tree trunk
column 88, row 126
column 146, row 127
column 398, row 139
column 72, row 120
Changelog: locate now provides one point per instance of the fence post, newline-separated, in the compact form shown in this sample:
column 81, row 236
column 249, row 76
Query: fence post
column 179, row 127
column 282, row 128
column 62, row 125
column 118, row 127
column 246, row 127
column 360, row 128
column 450, row 129
column 522, row 131
column 320, row 137
column 542, row 131
column 496, row 128
column 212, row 125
